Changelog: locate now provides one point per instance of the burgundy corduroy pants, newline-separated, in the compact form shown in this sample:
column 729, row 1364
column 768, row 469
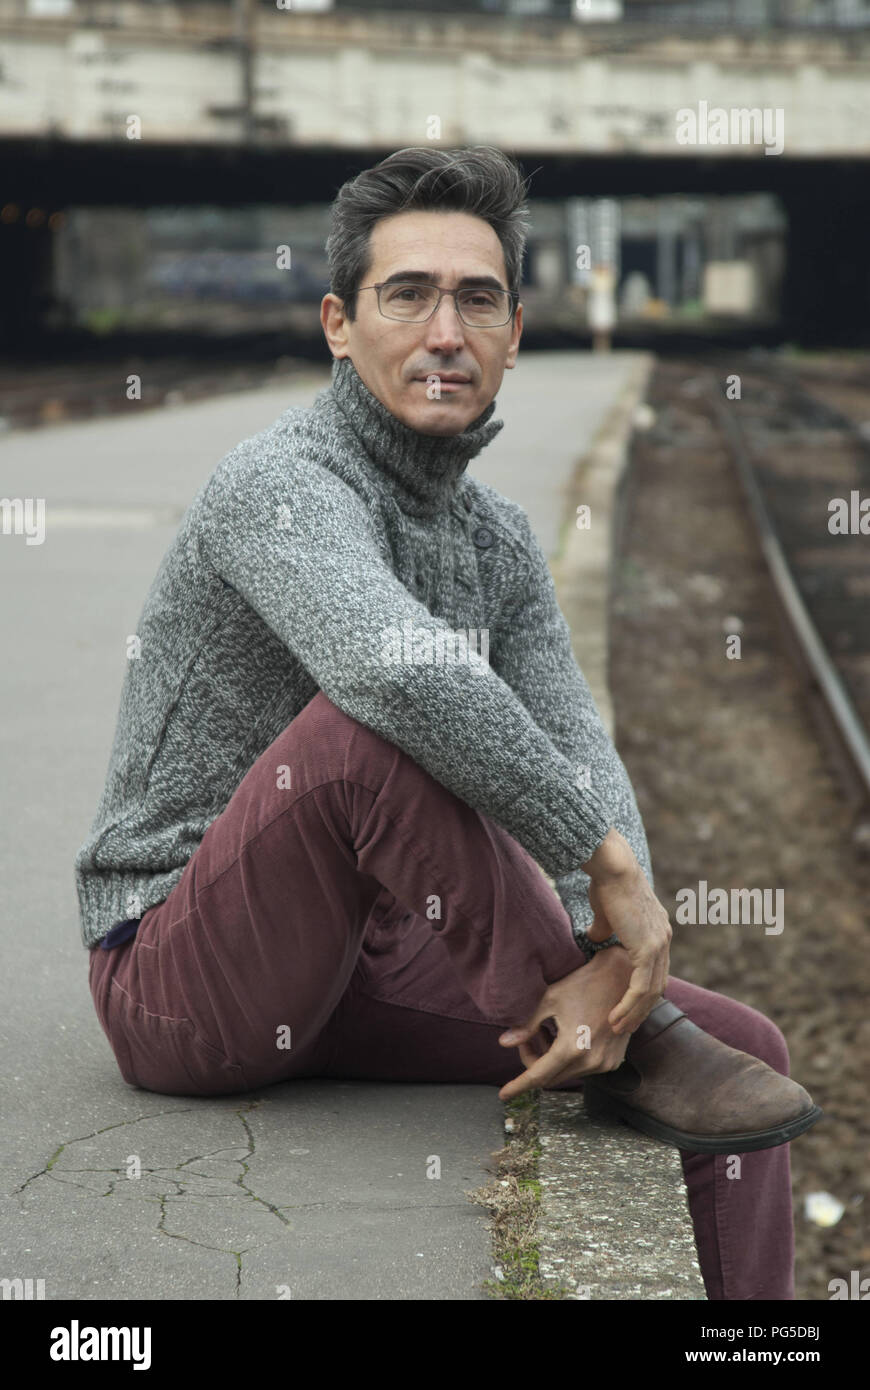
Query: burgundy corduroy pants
column 385, row 930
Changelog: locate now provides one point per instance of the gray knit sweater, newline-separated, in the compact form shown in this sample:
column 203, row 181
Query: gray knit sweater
column 341, row 550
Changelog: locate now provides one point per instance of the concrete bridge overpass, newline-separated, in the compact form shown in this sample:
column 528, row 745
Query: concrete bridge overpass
column 146, row 104
column 192, row 74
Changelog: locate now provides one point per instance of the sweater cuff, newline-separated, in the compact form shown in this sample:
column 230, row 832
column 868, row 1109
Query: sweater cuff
column 589, row 948
column 575, row 899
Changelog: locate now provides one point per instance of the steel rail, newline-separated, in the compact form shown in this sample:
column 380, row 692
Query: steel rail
column 849, row 728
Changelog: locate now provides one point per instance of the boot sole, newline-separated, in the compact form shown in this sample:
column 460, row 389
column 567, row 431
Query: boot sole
column 601, row 1103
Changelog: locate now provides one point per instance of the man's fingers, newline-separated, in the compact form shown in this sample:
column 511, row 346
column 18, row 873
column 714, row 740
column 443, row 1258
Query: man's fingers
column 662, row 978
column 641, row 1007
column 542, row 1071
column 525, row 1032
column 629, row 1012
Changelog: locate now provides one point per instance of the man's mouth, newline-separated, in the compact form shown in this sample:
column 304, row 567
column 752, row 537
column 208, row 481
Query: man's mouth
column 448, row 381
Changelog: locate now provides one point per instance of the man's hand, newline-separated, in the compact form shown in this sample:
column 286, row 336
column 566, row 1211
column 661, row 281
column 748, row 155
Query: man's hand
column 624, row 904
column 579, row 1002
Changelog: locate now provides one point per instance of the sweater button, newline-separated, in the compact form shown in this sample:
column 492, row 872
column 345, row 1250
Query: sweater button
column 483, row 537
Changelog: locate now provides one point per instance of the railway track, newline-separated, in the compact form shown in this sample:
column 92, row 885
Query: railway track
column 34, row 396
column 805, row 471
column 731, row 778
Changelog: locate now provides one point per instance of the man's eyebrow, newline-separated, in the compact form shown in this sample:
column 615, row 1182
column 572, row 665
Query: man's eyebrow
column 428, row 277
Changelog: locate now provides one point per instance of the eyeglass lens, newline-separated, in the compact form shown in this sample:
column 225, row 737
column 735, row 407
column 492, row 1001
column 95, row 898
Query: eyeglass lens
column 412, row 302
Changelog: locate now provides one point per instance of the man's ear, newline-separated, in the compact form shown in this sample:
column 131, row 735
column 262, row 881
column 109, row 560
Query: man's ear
column 514, row 341
column 334, row 323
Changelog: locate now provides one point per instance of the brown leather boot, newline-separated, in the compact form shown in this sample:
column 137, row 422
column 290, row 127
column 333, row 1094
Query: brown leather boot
column 687, row 1088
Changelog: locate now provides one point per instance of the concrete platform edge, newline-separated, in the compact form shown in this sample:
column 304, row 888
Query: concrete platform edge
column 613, row 1221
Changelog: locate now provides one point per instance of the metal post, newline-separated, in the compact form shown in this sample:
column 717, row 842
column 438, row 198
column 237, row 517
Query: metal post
column 244, row 13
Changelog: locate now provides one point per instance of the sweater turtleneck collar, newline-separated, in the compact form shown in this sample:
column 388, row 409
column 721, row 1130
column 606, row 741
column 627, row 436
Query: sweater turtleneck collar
column 424, row 468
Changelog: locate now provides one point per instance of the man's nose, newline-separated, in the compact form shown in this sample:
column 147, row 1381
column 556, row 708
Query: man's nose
column 445, row 328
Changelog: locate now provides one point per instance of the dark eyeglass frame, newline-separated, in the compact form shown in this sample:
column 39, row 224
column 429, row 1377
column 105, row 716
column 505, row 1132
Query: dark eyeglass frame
column 512, row 295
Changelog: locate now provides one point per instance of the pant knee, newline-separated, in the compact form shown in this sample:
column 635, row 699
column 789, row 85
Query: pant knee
column 737, row 1024
column 333, row 737
column 345, row 747
column 765, row 1040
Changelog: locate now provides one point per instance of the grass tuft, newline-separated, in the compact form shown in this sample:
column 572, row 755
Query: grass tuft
column 513, row 1199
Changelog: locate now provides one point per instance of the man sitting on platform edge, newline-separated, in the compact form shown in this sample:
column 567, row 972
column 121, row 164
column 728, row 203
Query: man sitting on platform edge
column 310, row 828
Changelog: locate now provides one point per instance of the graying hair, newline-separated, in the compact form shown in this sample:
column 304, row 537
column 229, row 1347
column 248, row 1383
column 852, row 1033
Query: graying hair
column 480, row 180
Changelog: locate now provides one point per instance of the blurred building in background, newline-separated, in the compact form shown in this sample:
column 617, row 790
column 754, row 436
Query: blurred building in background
column 678, row 14
column 675, row 260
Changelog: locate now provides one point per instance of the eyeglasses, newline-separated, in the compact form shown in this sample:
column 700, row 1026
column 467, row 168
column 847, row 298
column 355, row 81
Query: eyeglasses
column 414, row 303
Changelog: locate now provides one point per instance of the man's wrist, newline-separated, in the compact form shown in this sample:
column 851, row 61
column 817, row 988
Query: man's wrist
column 614, row 858
column 591, row 948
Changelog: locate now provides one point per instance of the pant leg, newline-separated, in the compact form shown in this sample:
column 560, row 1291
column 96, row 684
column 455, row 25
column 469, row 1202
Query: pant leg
column 406, row 1017
column 744, row 1223
column 258, row 942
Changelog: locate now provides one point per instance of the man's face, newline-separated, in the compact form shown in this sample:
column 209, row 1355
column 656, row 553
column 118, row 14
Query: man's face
column 393, row 358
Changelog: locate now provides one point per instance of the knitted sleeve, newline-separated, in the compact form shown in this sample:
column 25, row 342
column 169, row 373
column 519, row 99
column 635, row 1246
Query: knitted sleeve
column 534, row 655
column 300, row 547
